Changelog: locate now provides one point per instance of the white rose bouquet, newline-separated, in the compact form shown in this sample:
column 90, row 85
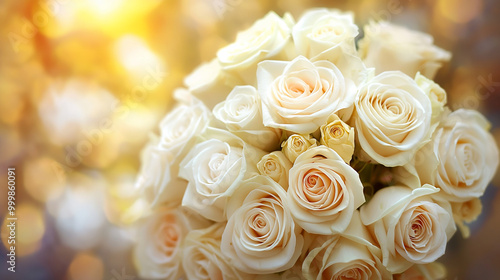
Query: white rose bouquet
column 295, row 154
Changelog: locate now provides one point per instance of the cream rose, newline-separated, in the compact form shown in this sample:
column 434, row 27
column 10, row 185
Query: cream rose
column 351, row 255
column 461, row 159
column 466, row 212
column 338, row 136
column 202, row 258
column 276, row 166
column 436, row 94
column 325, row 34
column 409, row 226
column 267, row 38
column 388, row 47
column 210, row 84
column 162, row 156
column 392, row 119
column 241, row 113
column 323, row 191
column 158, row 252
column 155, row 175
column 299, row 95
column 296, row 144
column 214, row 168
column 261, row 236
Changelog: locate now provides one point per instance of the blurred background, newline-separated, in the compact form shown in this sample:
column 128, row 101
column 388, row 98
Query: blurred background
column 84, row 83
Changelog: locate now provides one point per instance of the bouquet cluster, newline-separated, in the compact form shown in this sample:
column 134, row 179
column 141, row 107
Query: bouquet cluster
column 301, row 153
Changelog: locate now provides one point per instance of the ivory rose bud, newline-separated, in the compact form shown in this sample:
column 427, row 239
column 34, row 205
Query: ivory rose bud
column 268, row 38
column 435, row 271
column 392, row 119
column 461, row 158
column 158, row 252
column 276, row 166
column 409, row 226
column 202, row 258
column 351, row 255
column 323, row 191
column 338, row 136
column 299, row 95
column 214, row 168
column 389, row 47
column 296, row 144
column 162, row 156
column 210, row 84
column 436, row 94
column 466, row 212
column 325, row 33
column 261, row 236
column 241, row 113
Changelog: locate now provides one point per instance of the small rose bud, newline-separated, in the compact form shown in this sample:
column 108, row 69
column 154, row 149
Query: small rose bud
column 338, row 136
column 296, row 144
column 276, row 166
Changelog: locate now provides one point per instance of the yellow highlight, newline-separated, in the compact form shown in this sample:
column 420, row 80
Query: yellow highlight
column 137, row 58
column 112, row 17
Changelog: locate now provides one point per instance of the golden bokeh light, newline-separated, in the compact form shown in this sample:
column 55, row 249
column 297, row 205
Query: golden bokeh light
column 29, row 229
column 134, row 54
column 460, row 11
column 111, row 17
column 124, row 204
column 44, row 178
column 11, row 103
column 12, row 143
column 85, row 266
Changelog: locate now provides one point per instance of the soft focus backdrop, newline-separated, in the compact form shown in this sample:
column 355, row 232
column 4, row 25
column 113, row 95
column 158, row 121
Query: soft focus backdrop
column 84, row 82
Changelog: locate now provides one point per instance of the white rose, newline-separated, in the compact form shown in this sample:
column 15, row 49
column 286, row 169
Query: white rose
column 158, row 252
column 296, row 144
column 323, row 33
column 323, row 191
column 338, row 136
column 156, row 175
column 392, row 119
column 461, row 159
column 267, row 38
column 351, row 255
column 276, row 166
column 294, row 273
column 202, row 257
column 299, row 95
column 436, row 94
column 209, row 83
column 389, row 47
column 261, row 236
column 409, row 226
column 466, row 212
column 214, row 168
column 161, row 157
column 241, row 113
